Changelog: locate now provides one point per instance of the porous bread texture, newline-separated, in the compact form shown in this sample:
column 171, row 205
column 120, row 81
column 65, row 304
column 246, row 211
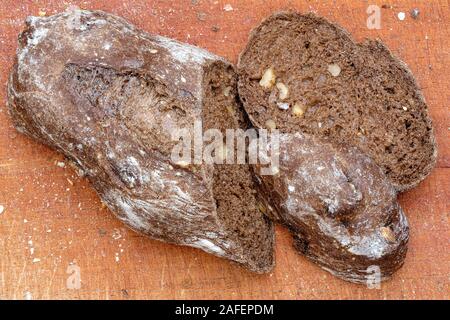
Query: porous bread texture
column 109, row 96
column 238, row 203
column 353, row 92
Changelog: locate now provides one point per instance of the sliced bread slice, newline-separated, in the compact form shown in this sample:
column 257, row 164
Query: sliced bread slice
column 302, row 73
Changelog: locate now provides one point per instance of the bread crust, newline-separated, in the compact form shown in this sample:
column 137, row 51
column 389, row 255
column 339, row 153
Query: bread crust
column 340, row 207
column 117, row 127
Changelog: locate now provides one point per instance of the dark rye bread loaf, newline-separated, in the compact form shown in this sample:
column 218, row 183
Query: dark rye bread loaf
column 339, row 206
column 317, row 80
column 108, row 96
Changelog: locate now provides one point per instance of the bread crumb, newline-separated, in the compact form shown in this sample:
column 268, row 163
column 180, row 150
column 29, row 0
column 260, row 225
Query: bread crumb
column 2, row 209
column 201, row 16
column 60, row 164
column 405, row 108
column 116, row 234
column 228, row 7
column 153, row 51
column 42, row 13
column 415, row 13
column 401, row 16
column 35, row 260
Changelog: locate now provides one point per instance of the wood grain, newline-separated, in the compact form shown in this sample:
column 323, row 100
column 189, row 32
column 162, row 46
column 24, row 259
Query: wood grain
column 53, row 217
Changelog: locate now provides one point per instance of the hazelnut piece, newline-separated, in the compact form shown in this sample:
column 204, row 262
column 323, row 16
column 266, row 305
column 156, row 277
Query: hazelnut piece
column 299, row 109
column 334, row 69
column 268, row 79
column 226, row 91
column 283, row 90
column 388, row 234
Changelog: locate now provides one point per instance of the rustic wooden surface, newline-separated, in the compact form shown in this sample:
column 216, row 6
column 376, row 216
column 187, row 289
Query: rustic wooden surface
column 53, row 219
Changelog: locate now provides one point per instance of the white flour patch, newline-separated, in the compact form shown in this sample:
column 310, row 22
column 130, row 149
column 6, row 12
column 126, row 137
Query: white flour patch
column 184, row 53
column 37, row 36
column 133, row 63
column 127, row 210
column 183, row 195
column 372, row 246
column 208, row 246
column 133, row 161
column 26, row 59
column 211, row 235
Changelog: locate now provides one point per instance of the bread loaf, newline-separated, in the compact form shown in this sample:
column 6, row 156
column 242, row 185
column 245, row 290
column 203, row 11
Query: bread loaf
column 306, row 74
column 108, row 96
column 339, row 206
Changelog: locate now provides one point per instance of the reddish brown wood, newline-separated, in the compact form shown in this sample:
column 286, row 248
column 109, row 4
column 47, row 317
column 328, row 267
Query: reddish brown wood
column 66, row 223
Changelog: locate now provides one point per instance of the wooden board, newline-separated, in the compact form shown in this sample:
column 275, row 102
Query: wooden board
column 53, row 220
